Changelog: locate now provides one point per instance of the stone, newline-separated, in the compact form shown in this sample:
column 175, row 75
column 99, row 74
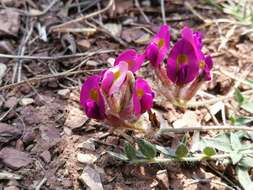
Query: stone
column 14, row 159
column 3, row 69
column 114, row 29
column 46, row 156
column 12, row 187
column 88, row 145
column 11, row 102
column 26, row 101
column 162, row 176
column 64, row 93
column 111, row 61
column 86, row 158
column 92, row 63
column 143, row 40
column 9, row 22
column 91, row 178
column 84, row 44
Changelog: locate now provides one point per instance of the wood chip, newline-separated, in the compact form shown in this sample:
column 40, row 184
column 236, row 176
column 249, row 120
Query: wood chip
column 86, row 158
column 91, row 178
column 14, row 159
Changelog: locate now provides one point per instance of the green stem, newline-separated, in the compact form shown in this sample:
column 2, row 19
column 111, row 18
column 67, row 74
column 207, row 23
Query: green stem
column 196, row 158
column 202, row 128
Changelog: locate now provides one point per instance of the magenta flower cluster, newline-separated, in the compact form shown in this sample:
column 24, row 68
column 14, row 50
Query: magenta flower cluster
column 117, row 96
column 187, row 66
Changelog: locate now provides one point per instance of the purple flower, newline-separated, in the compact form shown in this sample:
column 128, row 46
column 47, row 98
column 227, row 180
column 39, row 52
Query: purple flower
column 114, row 77
column 133, row 59
column 182, row 63
column 198, row 39
column 206, row 67
column 157, row 49
column 142, row 97
column 205, row 62
column 91, row 98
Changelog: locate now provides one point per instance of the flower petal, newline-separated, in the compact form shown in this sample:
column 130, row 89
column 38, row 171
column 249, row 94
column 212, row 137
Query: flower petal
column 157, row 49
column 208, row 67
column 152, row 53
column 91, row 98
column 142, row 96
column 133, row 59
column 114, row 77
column 182, row 64
column 188, row 35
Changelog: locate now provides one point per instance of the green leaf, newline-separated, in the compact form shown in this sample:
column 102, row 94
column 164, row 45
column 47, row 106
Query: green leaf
column 242, row 120
column 184, row 139
column 238, row 96
column 147, row 149
column 181, row 150
column 235, row 141
column 118, row 156
column 220, row 142
column 166, row 151
column 209, row 151
column 235, row 157
column 244, row 178
column 246, row 162
column 249, row 82
column 247, row 106
column 129, row 151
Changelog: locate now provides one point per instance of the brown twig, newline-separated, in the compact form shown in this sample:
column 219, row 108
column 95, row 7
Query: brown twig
column 55, row 57
column 79, row 19
column 37, row 79
column 163, row 12
column 137, row 4
column 204, row 128
column 105, row 30
column 38, row 13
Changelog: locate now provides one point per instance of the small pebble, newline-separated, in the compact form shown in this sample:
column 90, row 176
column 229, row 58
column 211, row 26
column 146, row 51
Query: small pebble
column 26, row 101
column 64, row 93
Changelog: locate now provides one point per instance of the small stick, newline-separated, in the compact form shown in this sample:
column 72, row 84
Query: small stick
column 105, row 30
column 195, row 158
column 37, row 79
column 204, row 128
column 39, row 13
column 137, row 4
column 163, row 12
column 41, row 183
column 55, row 57
column 79, row 19
column 214, row 100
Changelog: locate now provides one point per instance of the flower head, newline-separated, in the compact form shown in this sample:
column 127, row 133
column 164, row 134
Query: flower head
column 182, row 63
column 187, row 66
column 142, row 96
column 114, row 77
column 132, row 58
column 91, row 98
column 207, row 67
column 157, row 49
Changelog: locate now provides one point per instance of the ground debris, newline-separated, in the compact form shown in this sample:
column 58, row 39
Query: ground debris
column 9, row 22
column 8, row 133
column 91, row 178
column 14, row 159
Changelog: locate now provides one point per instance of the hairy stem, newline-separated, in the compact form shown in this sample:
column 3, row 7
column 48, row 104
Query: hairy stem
column 195, row 158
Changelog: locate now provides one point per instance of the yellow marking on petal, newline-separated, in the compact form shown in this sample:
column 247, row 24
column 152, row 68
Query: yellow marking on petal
column 202, row 64
column 94, row 94
column 117, row 74
column 130, row 63
column 182, row 59
column 140, row 93
column 161, row 43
